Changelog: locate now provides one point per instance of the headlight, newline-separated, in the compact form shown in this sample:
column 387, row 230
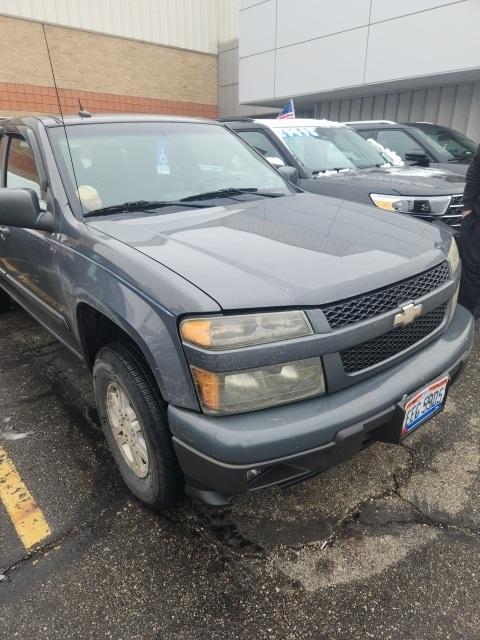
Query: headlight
column 453, row 256
column 232, row 332
column 454, row 262
column 432, row 205
column 251, row 389
column 453, row 304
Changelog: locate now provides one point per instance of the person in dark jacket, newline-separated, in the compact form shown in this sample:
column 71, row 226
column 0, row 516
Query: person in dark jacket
column 470, row 238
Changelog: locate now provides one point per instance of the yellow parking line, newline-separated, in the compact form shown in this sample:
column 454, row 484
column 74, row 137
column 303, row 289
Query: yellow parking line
column 24, row 512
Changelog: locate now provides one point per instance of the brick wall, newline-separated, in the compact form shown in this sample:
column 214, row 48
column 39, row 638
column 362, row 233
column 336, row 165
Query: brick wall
column 108, row 74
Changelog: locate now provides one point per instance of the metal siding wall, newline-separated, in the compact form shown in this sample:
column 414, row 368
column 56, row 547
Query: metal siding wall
column 190, row 24
column 432, row 104
column 473, row 127
column 461, row 111
column 391, row 106
column 355, row 109
column 446, row 105
column 456, row 106
column 367, row 108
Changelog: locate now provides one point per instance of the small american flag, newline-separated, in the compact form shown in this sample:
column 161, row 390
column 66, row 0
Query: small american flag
column 288, row 111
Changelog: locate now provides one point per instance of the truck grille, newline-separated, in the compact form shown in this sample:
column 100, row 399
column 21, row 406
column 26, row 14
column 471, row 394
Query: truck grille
column 383, row 300
column 392, row 343
column 452, row 216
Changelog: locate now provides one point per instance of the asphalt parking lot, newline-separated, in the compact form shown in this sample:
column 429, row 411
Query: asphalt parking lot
column 384, row 546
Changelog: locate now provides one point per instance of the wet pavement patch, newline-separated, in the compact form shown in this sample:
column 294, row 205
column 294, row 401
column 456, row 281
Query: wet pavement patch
column 383, row 546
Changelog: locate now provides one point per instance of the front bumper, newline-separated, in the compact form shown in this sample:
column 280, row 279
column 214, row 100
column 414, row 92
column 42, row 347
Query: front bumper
column 290, row 443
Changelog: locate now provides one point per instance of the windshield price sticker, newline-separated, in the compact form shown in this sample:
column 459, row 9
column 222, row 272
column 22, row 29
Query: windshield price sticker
column 424, row 405
column 288, row 132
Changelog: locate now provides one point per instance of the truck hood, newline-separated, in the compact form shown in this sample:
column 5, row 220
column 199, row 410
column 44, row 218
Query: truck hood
column 460, row 168
column 405, row 181
column 299, row 250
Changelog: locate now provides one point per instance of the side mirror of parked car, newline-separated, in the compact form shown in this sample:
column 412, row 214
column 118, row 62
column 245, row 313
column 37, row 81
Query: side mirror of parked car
column 21, row 208
column 275, row 161
column 417, row 157
column 289, row 173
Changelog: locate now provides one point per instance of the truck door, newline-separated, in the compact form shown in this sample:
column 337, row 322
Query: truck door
column 26, row 255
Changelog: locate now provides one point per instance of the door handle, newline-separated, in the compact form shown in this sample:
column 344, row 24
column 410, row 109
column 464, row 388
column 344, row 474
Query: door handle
column 4, row 233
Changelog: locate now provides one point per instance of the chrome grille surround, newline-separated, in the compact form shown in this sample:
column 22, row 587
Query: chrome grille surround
column 452, row 216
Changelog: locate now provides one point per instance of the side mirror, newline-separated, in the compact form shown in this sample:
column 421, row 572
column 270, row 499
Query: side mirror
column 275, row 162
column 21, row 208
column 289, row 173
column 417, row 157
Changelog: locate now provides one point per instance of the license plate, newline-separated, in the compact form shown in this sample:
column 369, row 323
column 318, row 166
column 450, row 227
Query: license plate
column 424, row 405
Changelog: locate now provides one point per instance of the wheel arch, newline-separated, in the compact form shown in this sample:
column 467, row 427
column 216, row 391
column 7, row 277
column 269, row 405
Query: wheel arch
column 98, row 325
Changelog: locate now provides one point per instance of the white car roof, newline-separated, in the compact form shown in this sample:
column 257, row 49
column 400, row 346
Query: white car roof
column 298, row 122
column 371, row 122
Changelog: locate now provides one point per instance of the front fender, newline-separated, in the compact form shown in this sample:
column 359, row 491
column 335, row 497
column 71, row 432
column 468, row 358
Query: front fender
column 151, row 328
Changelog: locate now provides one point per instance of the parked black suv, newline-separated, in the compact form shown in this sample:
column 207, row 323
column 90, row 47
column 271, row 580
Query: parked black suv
column 240, row 334
column 331, row 159
column 421, row 143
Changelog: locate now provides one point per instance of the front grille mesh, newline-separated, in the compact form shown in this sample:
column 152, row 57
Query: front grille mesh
column 390, row 344
column 377, row 302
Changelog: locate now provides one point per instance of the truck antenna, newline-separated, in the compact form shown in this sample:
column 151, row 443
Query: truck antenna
column 61, row 114
column 83, row 113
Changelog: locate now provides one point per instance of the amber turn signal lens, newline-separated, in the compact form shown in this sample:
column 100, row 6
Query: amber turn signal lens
column 208, row 386
column 386, row 205
column 245, row 330
column 197, row 332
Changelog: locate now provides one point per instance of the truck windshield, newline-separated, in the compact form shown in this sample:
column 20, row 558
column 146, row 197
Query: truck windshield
column 323, row 149
column 122, row 162
column 458, row 146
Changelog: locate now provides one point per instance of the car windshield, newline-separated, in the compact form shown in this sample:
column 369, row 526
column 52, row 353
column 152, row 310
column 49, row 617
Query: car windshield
column 114, row 163
column 458, row 146
column 330, row 148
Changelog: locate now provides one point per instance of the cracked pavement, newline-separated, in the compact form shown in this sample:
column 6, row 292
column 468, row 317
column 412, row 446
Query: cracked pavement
column 383, row 546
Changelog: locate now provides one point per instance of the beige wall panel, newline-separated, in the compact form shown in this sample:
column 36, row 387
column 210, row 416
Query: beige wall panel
column 24, row 54
column 116, row 65
column 93, row 62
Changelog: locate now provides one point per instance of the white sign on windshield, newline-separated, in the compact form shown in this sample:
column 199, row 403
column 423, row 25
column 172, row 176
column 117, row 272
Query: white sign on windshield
column 299, row 131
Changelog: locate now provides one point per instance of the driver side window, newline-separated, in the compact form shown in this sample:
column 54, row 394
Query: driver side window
column 261, row 143
column 397, row 141
column 21, row 169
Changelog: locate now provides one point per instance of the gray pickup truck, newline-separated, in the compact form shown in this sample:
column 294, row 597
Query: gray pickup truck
column 241, row 334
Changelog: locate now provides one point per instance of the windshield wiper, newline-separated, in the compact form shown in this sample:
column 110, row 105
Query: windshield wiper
column 137, row 205
column 337, row 169
column 467, row 156
column 233, row 191
column 147, row 205
column 372, row 166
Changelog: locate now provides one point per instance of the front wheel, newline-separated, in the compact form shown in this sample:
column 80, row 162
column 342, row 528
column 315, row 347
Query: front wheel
column 135, row 426
column 5, row 301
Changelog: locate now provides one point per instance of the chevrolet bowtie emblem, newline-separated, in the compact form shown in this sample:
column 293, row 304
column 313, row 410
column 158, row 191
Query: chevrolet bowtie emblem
column 408, row 314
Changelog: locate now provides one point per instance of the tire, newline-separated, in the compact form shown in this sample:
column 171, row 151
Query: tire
column 142, row 447
column 5, row 301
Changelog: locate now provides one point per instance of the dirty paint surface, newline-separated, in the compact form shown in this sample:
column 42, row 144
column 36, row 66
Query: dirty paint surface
column 26, row 516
